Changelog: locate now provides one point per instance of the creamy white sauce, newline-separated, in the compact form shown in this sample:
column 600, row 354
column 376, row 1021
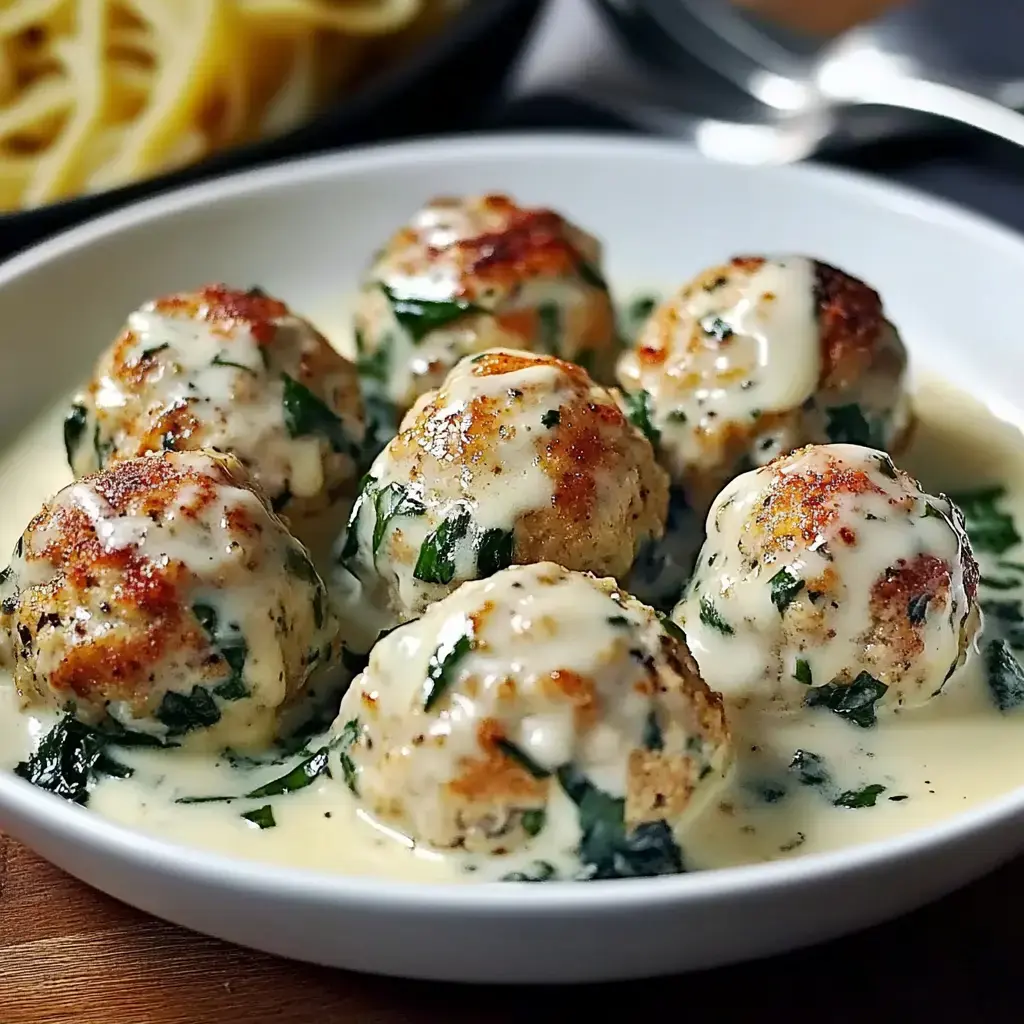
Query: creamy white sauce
column 953, row 753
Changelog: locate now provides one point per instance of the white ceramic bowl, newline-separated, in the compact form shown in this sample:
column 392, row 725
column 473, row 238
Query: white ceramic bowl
column 952, row 282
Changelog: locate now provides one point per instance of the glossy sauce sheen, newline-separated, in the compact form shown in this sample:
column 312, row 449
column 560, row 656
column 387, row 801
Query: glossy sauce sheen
column 954, row 753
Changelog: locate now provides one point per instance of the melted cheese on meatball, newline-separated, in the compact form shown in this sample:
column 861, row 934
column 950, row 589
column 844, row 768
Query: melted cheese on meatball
column 487, row 723
column 164, row 594
column 829, row 577
column 517, row 458
column 230, row 370
column 471, row 274
column 756, row 358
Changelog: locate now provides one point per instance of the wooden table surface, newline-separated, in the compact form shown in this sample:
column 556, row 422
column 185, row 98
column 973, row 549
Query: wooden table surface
column 68, row 954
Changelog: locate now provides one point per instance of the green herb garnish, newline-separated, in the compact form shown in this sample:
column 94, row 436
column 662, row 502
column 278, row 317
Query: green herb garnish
column 262, row 817
column 436, row 562
column 785, row 586
column 421, row 316
column 551, row 418
column 218, row 360
column 495, row 550
column 305, row 415
column 715, row 327
column 856, row 798
column 301, row 776
column 802, row 672
column 809, row 769
column 521, row 758
column 638, row 411
column 343, row 744
column 184, row 712
column 710, row 616
column 1005, row 675
column 538, row 871
column 606, row 849
column 853, row 701
column 988, row 526
column 442, row 667
column 74, row 430
column 390, row 502
column 847, row 424
column 549, row 321
column 534, row 821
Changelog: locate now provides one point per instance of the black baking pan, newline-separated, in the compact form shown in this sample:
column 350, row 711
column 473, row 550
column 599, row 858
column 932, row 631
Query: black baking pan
column 443, row 85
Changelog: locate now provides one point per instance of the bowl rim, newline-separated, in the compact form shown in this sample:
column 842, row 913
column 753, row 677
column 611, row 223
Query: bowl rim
column 19, row 799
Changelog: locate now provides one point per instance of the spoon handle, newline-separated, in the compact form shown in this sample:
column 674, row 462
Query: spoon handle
column 951, row 102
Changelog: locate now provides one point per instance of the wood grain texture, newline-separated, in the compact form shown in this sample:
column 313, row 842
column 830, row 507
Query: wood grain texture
column 69, row 955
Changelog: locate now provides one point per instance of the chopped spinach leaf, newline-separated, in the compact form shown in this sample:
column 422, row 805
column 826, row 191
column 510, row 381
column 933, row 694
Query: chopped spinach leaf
column 802, row 672
column 74, row 429
column 218, row 360
column 809, row 769
column 917, row 608
column 653, row 738
column 521, row 758
column 494, row 551
column 436, row 562
column 853, row 701
column 148, row 353
column 988, row 526
column 766, row 791
column 534, row 821
column 261, row 817
column 231, row 646
column 305, row 415
column 847, row 424
column 638, row 411
column 106, row 765
column 421, row 316
column 442, row 667
column 538, row 871
column 606, row 850
column 1005, row 675
column 301, row 776
column 592, row 275
column 549, row 325
column 65, row 760
column 785, row 585
column 376, row 365
column 206, row 799
column 856, row 798
column 551, row 418
column 183, row 712
column 710, row 616
column 715, row 327
column 103, row 448
column 886, row 466
column 389, row 502
column 673, row 628
column 367, row 488
column 1000, row 582
column 343, row 744
column 1005, row 611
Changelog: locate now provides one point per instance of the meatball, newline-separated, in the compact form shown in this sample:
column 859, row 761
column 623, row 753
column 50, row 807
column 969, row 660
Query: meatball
column 164, row 594
column 830, row 578
column 756, row 358
column 235, row 371
column 540, row 712
column 517, row 458
column 471, row 274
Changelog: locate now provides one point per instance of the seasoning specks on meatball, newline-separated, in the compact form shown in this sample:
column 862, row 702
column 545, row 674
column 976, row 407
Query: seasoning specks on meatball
column 471, row 274
column 830, row 578
column 516, row 458
column 539, row 715
column 164, row 593
column 758, row 357
column 235, row 371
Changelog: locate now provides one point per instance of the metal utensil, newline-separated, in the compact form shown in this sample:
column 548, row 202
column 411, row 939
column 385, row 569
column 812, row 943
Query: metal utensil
column 810, row 91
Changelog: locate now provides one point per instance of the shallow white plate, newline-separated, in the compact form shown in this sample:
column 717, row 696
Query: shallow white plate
column 953, row 283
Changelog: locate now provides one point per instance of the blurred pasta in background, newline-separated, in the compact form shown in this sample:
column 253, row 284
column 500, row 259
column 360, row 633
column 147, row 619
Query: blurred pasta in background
column 95, row 94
